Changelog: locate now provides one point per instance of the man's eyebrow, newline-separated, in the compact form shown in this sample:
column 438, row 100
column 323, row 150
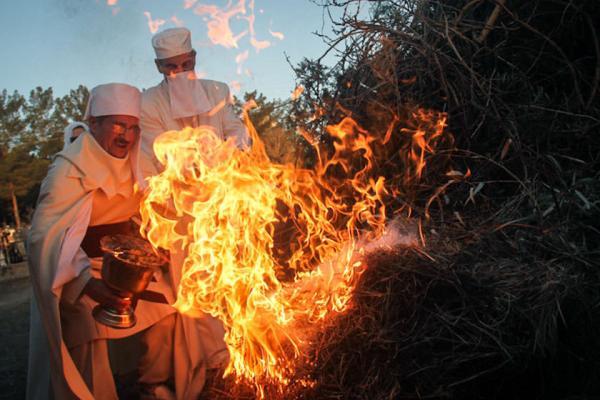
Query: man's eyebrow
column 124, row 125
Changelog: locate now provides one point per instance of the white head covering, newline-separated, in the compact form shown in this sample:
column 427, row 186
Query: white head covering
column 68, row 132
column 172, row 42
column 186, row 95
column 114, row 99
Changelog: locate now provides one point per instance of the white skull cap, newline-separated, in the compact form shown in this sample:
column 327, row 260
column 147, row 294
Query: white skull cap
column 114, row 99
column 172, row 42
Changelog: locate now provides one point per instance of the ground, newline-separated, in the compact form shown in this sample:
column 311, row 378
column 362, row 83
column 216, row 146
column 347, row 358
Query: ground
column 15, row 294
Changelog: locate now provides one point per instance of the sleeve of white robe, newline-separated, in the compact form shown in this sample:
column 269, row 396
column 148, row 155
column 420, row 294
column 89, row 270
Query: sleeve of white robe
column 61, row 196
column 73, row 290
column 151, row 126
column 233, row 125
column 61, row 200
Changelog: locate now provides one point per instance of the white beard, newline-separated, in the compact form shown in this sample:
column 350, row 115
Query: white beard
column 187, row 96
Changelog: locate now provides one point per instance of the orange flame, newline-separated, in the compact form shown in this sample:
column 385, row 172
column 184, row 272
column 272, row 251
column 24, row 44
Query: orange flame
column 277, row 35
column 177, row 21
column 421, row 141
column 219, row 30
column 239, row 60
column 235, row 86
column 257, row 44
column 297, row 92
column 270, row 249
column 189, row 3
column 153, row 25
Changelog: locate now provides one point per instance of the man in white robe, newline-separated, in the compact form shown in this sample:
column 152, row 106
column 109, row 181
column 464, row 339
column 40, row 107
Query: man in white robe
column 179, row 101
column 89, row 187
column 72, row 132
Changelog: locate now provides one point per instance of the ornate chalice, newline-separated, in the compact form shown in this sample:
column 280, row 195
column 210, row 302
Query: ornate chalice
column 128, row 265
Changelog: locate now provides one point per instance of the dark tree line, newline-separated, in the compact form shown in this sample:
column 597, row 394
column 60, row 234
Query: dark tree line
column 31, row 132
column 502, row 302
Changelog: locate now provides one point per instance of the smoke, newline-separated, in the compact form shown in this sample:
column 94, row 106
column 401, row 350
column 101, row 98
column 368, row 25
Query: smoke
column 397, row 233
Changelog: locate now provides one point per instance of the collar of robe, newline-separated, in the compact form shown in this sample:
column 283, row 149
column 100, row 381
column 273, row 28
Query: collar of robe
column 97, row 169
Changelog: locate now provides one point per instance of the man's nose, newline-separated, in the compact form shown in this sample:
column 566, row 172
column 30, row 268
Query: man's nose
column 129, row 135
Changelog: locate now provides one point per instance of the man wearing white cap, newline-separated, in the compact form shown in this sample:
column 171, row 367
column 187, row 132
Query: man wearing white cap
column 72, row 132
column 181, row 100
column 89, row 190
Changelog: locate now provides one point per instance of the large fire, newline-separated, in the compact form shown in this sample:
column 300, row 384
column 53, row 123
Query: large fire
column 271, row 250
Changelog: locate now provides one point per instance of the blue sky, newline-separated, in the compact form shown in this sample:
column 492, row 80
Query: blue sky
column 62, row 43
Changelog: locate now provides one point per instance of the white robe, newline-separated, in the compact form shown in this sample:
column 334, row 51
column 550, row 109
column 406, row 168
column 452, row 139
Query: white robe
column 156, row 118
column 59, row 269
column 203, row 337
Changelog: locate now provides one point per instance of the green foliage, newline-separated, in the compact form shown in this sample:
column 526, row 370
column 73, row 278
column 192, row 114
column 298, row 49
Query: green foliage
column 31, row 132
column 69, row 108
column 502, row 301
column 37, row 113
column 318, row 84
column 270, row 118
column 11, row 122
column 22, row 169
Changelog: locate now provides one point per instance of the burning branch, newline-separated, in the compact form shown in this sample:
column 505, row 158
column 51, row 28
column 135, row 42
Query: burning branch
column 224, row 208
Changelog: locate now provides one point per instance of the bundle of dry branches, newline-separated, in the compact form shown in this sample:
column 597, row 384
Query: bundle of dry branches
column 505, row 304
column 503, row 301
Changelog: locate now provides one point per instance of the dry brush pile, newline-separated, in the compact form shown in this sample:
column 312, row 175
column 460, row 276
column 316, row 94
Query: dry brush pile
column 504, row 299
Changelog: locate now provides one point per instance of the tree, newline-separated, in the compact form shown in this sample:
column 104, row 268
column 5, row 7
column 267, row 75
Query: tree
column 69, row 108
column 39, row 124
column 20, row 171
column 11, row 119
column 282, row 144
column 31, row 133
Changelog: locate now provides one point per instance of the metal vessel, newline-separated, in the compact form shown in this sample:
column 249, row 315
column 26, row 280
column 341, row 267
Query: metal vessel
column 128, row 265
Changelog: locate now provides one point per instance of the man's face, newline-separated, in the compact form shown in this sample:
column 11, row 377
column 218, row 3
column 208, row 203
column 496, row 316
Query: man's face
column 117, row 134
column 177, row 64
column 75, row 134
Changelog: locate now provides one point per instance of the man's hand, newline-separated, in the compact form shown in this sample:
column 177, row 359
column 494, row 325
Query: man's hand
column 97, row 290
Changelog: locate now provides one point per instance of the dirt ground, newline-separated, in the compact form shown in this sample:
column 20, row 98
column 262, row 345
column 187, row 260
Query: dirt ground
column 14, row 336
column 15, row 294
